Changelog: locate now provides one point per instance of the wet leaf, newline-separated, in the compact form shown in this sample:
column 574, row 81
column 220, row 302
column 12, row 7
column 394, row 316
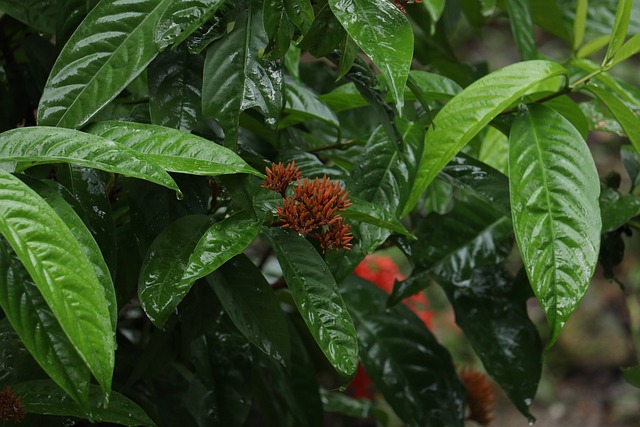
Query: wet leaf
column 319, row 302
column 279, row 29
column 554, row 189
column 97, row 62
column 617, row 209
column 406, row 363
column 182, row 18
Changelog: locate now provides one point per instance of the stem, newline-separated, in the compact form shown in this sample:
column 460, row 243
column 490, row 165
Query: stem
column 585, row 79
column 339, row 145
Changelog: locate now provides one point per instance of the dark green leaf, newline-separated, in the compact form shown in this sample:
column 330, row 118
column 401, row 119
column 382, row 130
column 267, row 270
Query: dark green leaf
column 39, row 14
column 522, row 28
column 384, row 34
column 411, row 369
column 182, row 18
column 175, row 89
column 348, row 53
column 548, row 15
column 340, row 403
column 616, row 208
column 252, row 306
column 316, row 295
column 97, row 63
column 249, row 81
column 62, row 272
column 301, row 13
column 302, row 104
column 370, row 213
column 435, row 86
column 631, row 160
column 470, row 111
column 279, row 29
column 632, row 375
column 324, row 34
column 570, row 110
column 554, row 189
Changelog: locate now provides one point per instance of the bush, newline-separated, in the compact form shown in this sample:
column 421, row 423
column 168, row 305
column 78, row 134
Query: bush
column 187, row 187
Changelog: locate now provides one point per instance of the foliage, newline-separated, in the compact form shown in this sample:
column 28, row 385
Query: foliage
column 156, row 276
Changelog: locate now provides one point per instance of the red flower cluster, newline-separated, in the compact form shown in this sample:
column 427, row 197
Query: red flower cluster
column 480, row 396
column 11, row 407
column 313, row 209
column 402, row 3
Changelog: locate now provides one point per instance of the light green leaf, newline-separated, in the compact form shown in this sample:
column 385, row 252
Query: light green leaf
column 159, row 287
column 39, row 331
column 316, row 295
column 470, row 111
column 630, row 48
column 384, row 34
column 108, row 50
column 236, row 78
column 252, row 306
column 554, row 189
column 182, row 18
column 572, row 112
column 43, row 144
column 579, row 24
column 62, row 272
column 522, row 28
column 174, row 150
column 494, row 150
column 44, row 397
column 302, row 104
column 619, row 31
column 593, row 46
column 627, row 119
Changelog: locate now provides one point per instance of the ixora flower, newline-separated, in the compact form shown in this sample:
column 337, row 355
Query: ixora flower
column 11, row 407
column 314, row 208
column 480, row 396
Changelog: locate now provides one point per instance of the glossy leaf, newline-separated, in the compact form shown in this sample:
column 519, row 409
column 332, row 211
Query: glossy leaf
column 494, row 319
column 301, row 13
column 62, row 272
column 348, row 53
column 522, row 28
column 164, row 265
column 632, row 375
column 579, row 24
column 324, row 34
column 56, row 145
column 108, row 50
column 554, row 189
column 627, row 50
column 470, row 111
column 252, row 306
column 248, row 80
column 302, row 104
column 279, row 28
column 174, row 150
column 619, row 31
column 363, row 211
column 406, row 363
column 572, row 112
column 44, row 397
column 175, row 89
column 341, row 403
column 319, row 302
column 384, row 34
column 617, row 209
column 39, row 331
column 182, row 18
column 627, row 119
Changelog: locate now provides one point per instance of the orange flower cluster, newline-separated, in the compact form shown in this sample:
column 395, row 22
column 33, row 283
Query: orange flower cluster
column 480, row 396
column 11, row 407
column 313, row 209
column 400, row 4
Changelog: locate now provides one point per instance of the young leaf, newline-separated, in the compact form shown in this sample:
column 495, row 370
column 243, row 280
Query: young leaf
column 181, row 19
column 62, row 272
column 316, row 295
column 39, row 331
column 522, row 28
column 249, row 81
column 619, row 31
column 384, row 34
column 554, row 189
column 98, row 62
column 579, row 24
column 627, row 50
column 43, row 144
column 423, row 389
column 470, row 111
column 174, row 150
column 252, row 306
column 164, row 265
column 175, row 89
column 593, row 46
column 44, row 397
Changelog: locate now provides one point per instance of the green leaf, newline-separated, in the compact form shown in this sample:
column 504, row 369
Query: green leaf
column 406, row 363
column 175, row 89
column 316, row 295
column 252, row 306
column 40, row 332
column 632, row 375
column 593, row 46
column 384, row 34
column 340, row 403
column 631, row 160
column 324, row 34
column 44, row 397
column 174, row 150
column 522, row 28
column 617, row 209
column 579, row 24
column 572, row 112
column 361, row 210
column 279, row 29
column 554, row 189
column 435, row 86
column 548, row 15
column 494, row 150
column 302, row 104
column 62, row 272
column 98, row 62
column 627, row 50
column 181, row 19
column 301, row 13
column 494, row 319
column 348, row 53
column 43, row 144
column 38, row 14
column 627, row 119
column 164, row 265
column 249, row 81
column 619, row 31
column 470, row 111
